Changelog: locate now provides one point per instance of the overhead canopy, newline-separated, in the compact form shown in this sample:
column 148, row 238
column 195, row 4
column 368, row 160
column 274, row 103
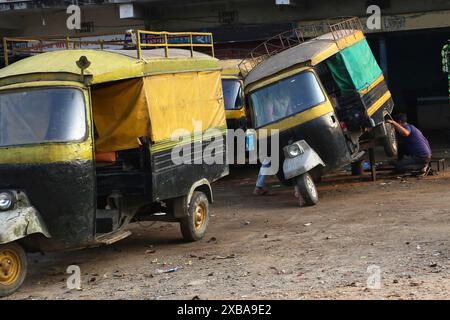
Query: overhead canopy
column 158, row 107
column 354, row 68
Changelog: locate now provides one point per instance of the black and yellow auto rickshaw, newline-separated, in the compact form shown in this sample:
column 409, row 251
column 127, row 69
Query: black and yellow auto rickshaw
column 325, row 96
column 233, row 94
column 86, row 146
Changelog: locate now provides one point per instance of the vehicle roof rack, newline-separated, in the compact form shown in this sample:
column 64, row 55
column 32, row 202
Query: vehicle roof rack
column 132, row 39
column 345, row 26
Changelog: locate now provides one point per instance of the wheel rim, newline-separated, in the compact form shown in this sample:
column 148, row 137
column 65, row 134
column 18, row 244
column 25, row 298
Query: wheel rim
column 199, row 216
column 10, row 267
column 311, row 187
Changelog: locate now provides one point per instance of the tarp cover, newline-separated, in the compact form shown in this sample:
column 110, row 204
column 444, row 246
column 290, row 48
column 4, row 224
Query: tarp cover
column 354, row 68
column 120, row 115
column 179, row 100
column 156, row 106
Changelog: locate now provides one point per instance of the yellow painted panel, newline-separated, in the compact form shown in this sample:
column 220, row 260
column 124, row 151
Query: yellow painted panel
column 302, row 117
column 377, row 105
column 46, row 153
column 235, row 114
column 373, row 85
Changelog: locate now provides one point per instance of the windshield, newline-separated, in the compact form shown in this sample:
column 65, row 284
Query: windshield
column 285, row 98
column 31, row 116
column 232, row 94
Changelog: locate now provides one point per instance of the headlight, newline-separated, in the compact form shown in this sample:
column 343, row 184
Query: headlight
column 6, row 201
column 294, row 150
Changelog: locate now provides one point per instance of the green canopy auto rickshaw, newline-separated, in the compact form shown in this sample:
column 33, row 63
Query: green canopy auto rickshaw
column 325, row 96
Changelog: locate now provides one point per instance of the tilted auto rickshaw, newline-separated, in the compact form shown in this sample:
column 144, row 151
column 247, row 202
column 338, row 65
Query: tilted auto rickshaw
column 87, row 140
column 233, row 93
column 325, row 96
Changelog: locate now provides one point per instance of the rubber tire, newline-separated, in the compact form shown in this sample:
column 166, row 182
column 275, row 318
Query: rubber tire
column 308, row 196
column 10, row 289
column 390, row 142
column 187, row 224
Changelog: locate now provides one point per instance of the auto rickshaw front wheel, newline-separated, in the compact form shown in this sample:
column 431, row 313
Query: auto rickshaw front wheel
column 13, row 268
column 307, row 190
column 193, row 227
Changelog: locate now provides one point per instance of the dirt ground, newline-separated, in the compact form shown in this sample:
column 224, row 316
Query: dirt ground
column 269, row 248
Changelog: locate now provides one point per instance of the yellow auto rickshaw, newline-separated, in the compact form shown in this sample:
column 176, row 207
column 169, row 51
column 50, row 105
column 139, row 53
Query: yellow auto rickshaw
column 325, row 95
column 233, row 93
column 90, row 141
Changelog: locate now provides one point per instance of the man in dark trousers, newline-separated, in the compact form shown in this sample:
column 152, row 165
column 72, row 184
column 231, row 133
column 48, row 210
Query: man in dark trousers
column 415, row 151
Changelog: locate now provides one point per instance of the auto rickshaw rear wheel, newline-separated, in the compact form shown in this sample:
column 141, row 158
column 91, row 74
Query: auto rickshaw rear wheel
column 390, row 141
column 307, row 190
column 193, row 227
column 13, row 268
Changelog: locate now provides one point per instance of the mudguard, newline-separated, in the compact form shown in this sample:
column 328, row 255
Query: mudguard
column 19, row 223
column 304, row 162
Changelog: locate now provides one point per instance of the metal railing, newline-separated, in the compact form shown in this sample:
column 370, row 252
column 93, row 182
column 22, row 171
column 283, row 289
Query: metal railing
column 137, row 39
column 345, row 28
column 294, row 37
column 169, row 40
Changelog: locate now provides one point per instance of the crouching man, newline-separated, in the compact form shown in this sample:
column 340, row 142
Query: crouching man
column 414, row 148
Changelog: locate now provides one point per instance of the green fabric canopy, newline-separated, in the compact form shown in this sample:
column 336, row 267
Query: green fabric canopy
column 354, row 68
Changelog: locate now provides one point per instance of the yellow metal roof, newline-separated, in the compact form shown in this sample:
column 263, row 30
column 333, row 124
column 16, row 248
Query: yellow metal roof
column 105, row 66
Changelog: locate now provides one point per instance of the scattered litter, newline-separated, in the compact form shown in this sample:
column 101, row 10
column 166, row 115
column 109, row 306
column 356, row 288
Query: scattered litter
column 246, row 223
column 433, row 264
column 213, row 239
column 266, row 236
column 210, row 274
column 171, row 270
column 231, row 256
column 196, row 283
column 150, row 251
column 118, row 274
column 278, row 271
column 188, row 263
column 307, row 224
column 418, row 247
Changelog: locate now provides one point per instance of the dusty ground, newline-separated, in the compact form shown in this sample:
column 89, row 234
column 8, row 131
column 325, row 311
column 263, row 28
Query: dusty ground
column 269, row 248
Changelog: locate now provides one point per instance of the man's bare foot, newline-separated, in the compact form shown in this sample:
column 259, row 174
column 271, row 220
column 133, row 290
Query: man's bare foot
column 259, row 191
